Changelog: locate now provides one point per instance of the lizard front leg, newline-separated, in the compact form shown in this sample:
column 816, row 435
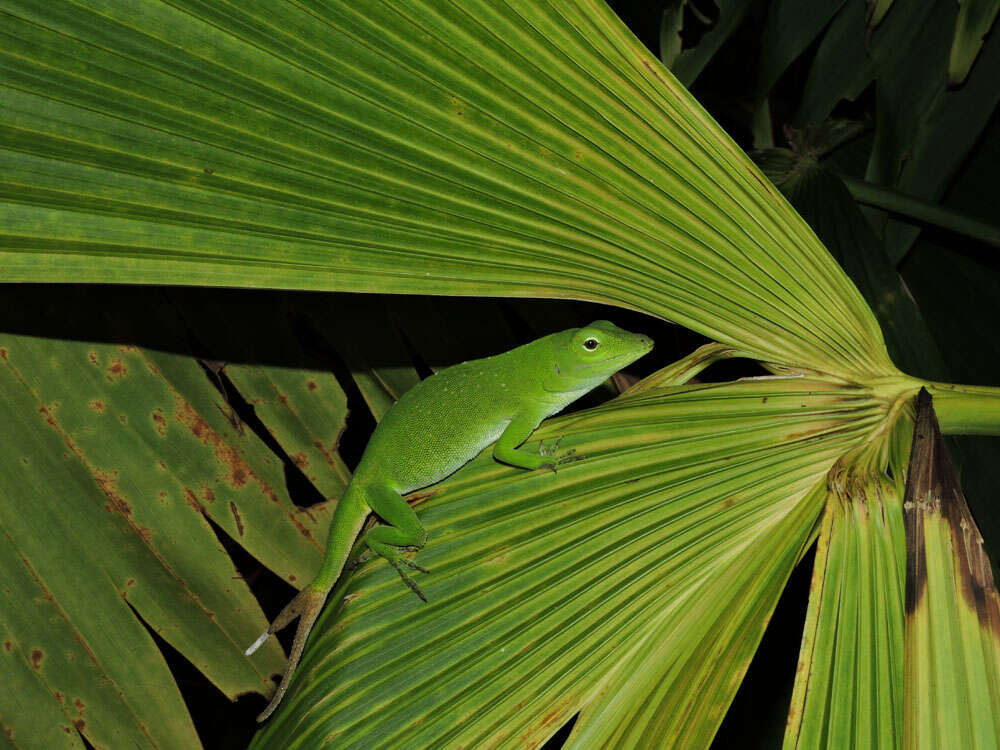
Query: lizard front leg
column 520, row 428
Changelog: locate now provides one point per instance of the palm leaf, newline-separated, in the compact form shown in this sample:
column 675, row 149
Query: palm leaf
column 119, row 462
column 848, row 691
column 515, row 149
column 542, row 589
column 952, row 606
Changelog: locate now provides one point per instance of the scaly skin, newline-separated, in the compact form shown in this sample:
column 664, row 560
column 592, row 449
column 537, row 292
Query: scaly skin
column 436, row 428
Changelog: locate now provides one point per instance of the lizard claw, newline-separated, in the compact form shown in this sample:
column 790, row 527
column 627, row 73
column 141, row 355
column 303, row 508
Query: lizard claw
column 551, row 449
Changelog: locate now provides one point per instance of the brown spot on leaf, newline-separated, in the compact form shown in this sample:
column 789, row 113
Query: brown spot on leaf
column 311, row 385
column 932, row 490
column 117, row 370
column 130, row 582
column 92, row 356
column 209, row 495
column 80, row 705
column 236, row 517
column 209, row 170
column 191, row 499
column 98, row 406
column 107, row 481
column 80, row 724
column 44, row 411
column 7, row 646
column 36, row 659
column 301, row 460
column 6, row 357
column 59, row 696
column 159, row 421
column 123, row 419
column 238, row 477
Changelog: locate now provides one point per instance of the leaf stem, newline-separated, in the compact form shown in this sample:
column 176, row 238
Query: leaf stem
column 966, row 409
column 921, row 210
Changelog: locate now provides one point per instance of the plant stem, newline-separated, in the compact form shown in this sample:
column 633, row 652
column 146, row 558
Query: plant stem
column 966, row 409
column 921, row 210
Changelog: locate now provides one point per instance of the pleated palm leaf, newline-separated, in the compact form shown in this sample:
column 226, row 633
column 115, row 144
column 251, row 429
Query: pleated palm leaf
column 425, row 147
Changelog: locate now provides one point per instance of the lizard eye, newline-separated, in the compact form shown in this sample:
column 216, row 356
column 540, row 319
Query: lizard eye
column 590, row 344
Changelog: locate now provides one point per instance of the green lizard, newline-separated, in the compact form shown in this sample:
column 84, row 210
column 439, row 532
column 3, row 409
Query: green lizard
column 437, row 427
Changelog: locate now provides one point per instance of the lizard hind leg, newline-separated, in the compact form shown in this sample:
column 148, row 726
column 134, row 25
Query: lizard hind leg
column 403, row 530
column 306, row 605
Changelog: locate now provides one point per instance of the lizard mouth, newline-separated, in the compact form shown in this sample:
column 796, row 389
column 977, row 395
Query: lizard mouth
column 630, row 356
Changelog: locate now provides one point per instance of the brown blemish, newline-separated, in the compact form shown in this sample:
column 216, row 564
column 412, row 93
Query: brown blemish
column 236, row 517
column 240, row 474
column 291, row 578
column 123, row 419
column 5, row 356
column 107, row 481
column 764, row 400
column 117, row 369
column 92, row 356
column 191, row 499
column 44, row 411
column 301, row 460
column 130, row 582
column 98, row 406
column 311, row 385
column 36, row 659
column 59, row 696
column 160, row 421
column 80, row 724
column 80, row 705
column 932, row 489
column 209, row 495
column 803, row 433
column 8, row 646
column 209, row 170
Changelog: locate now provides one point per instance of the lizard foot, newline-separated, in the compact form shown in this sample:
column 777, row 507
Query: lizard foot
column 556, row 459
column 359, row 561
column 397, row 563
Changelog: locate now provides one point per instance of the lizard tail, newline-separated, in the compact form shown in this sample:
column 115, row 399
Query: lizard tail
column 306, row 605
column 348, row 520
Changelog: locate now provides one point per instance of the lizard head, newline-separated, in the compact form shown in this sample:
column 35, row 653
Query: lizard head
column 586, row 357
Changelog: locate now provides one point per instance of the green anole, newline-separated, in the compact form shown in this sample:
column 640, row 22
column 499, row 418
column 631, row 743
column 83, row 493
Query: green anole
column 438, row 426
